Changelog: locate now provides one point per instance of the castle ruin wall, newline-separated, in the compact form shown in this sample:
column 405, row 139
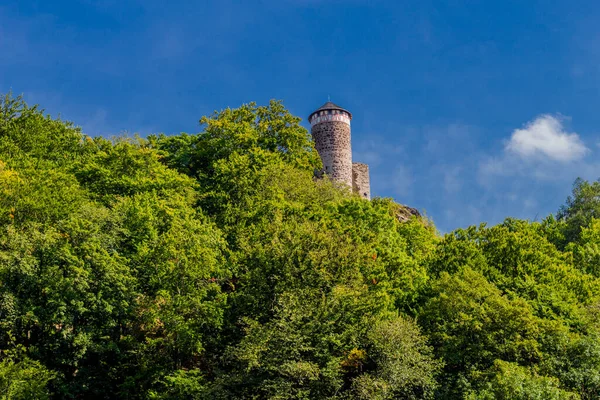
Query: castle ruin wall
column 360, row 180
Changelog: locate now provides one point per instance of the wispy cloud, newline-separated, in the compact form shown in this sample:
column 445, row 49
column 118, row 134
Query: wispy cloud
column 452, row 178
column 542, row 150
column 451, row 169
column 96, row 121
column 546, row 137
column 402, row 181
column 530, row 176
column 371, row 151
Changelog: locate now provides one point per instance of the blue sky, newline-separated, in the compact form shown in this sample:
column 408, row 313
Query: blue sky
column 469, row 110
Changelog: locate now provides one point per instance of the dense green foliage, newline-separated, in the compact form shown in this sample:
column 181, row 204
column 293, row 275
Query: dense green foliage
column 214, row 266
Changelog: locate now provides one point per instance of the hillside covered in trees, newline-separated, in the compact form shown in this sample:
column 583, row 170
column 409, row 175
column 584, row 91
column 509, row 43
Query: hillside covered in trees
column 213, row 266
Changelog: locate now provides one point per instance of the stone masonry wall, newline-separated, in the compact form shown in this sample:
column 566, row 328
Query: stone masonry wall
column 360, row 180
column 332, row 141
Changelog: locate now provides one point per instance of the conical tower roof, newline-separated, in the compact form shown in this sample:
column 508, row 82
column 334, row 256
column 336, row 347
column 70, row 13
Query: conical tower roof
column 329, row 106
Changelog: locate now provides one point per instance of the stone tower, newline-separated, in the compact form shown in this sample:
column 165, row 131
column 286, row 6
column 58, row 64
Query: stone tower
column 330, row 129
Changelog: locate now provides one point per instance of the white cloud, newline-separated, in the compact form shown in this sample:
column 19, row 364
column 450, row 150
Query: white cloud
column 545, row 136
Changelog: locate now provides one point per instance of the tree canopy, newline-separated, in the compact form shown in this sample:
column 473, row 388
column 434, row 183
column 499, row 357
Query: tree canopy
column 215, row 266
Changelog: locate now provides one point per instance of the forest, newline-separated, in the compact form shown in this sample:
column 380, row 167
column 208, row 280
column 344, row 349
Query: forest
column 214, row 266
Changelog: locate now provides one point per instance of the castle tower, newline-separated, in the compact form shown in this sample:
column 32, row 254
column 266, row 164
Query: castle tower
column 330, row 129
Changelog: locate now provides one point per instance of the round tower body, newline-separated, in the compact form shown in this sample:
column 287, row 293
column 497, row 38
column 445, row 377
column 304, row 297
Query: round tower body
column 330, row 129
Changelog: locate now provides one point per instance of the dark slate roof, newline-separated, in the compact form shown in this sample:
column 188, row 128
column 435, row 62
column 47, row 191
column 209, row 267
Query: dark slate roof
column 329, row 106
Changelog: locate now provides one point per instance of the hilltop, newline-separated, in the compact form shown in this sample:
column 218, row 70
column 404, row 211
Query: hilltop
column 214, row 266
